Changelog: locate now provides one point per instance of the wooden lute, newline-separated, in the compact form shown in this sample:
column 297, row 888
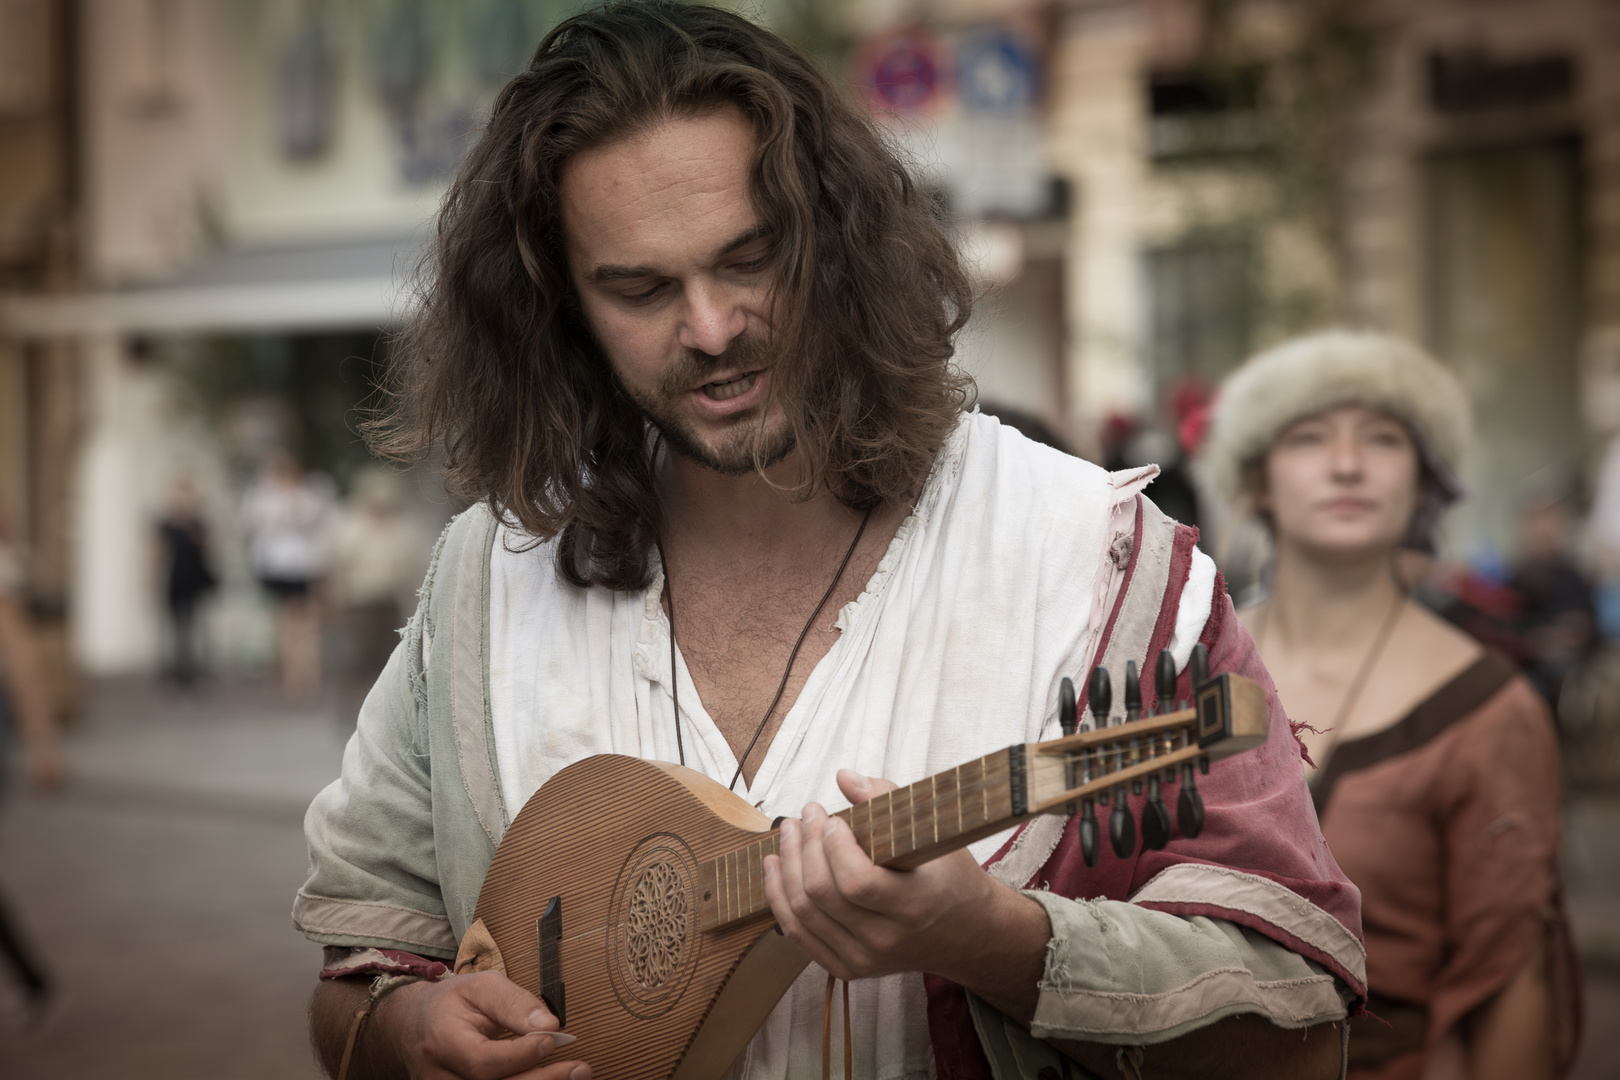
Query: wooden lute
column 648, row 934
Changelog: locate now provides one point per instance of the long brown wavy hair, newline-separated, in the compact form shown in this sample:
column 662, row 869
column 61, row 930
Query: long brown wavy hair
column 499, row 366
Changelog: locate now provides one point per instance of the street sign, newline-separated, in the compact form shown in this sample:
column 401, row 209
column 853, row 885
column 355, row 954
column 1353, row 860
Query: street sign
column 997, row 71
column 901, row 72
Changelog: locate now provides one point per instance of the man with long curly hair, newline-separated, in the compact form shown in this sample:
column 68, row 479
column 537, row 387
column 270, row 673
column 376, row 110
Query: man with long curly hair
column 685, row 340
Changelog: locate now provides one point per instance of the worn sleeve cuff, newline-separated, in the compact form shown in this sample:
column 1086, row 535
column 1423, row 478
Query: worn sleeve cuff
column 1118, row 973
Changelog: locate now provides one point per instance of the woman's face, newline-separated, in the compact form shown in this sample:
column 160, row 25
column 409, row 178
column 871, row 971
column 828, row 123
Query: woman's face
column 1343, row 482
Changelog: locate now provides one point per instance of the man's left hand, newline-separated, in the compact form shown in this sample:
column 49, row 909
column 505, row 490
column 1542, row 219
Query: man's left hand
column 947, row 917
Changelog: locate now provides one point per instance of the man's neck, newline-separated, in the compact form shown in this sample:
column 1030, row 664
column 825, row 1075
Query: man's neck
column 1322, row 602
column 747, row 518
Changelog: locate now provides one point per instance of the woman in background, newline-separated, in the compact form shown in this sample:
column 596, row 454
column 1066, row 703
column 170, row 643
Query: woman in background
column 1436, row 771
column 285, row 515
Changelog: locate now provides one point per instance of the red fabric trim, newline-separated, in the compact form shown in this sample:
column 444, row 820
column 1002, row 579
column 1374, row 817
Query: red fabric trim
column 391, row 962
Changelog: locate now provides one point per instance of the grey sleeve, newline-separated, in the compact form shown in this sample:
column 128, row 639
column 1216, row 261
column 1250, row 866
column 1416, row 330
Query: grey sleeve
column 374, row 877
column 1119, row 973
column 1125, row 975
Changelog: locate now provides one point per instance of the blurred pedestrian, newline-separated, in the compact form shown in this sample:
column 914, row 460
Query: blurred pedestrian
column 1557, row 609
column 188, row 576
column 25, row 716
column 1436, row 766
column 378, row 556
column 286, row 515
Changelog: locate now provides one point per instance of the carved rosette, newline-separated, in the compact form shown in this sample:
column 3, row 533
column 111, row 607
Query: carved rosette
column 653, row 942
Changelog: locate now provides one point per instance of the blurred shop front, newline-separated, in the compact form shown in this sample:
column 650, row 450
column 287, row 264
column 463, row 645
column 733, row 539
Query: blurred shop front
column 210, row 211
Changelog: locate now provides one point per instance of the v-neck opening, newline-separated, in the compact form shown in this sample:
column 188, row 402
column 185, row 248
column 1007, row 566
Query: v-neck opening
column 851, row 622
column 851, row 617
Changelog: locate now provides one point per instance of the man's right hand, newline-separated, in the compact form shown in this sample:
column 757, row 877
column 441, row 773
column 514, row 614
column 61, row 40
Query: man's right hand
column 451, row 1028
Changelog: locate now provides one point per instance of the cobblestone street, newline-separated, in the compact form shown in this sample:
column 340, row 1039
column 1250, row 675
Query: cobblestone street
column 159, row 884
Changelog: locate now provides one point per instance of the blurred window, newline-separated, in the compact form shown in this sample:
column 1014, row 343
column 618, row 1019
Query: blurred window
column 1469, row 80
column 1201, row 303
column 1205, row 116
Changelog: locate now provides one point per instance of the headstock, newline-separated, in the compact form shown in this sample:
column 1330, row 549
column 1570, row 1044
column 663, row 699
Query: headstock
column 1094, row 762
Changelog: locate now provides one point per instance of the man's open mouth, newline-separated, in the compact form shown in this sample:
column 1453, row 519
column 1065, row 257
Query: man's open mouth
column 724, row 391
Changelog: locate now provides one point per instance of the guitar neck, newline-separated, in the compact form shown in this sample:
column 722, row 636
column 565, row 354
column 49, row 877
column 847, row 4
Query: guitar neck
column 900, row 829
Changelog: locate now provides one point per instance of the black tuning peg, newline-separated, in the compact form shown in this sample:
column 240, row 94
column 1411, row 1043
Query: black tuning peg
column 1198, row 664
column 1122, row 828
column 1155, row 817
column 1100, row 696
column 1088, row 831
column 1068, row 718
column 1190, row 804
column 1164, row 681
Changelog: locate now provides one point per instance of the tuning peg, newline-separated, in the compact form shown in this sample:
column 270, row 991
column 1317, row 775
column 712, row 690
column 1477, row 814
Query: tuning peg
column 1100, row 696
column 1198, row 664
column 1189, row 805
column 1133, row 710
column 1122, row 828
column 1067, row 711
column 1088, row 831
column 1164, row 681
column 1155, row 817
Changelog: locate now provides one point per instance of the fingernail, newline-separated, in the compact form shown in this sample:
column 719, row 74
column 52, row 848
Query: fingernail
column 537, row 1018
column 812, row 812
column 770, row 869
column 562, row 1037
column 580, row 1073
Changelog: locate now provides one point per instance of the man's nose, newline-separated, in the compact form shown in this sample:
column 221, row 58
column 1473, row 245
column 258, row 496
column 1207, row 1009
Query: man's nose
column 713, row 319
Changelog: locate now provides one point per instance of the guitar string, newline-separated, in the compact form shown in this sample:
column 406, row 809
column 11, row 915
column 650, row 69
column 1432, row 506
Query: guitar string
column 674, row 676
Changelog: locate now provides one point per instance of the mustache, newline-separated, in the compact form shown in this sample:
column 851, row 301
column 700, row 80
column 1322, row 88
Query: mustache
column 746, row 352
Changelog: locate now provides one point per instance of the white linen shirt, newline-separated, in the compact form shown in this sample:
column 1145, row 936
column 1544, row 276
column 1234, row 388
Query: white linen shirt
column 991, row 591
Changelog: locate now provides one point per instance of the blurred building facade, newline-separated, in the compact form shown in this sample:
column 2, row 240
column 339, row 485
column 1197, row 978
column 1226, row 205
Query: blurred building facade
column 1147, row 189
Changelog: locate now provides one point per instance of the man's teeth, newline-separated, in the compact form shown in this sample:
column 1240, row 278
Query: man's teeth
column 727, row 390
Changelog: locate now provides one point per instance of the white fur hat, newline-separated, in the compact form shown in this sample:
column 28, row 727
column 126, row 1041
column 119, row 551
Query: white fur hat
column 1322, row 371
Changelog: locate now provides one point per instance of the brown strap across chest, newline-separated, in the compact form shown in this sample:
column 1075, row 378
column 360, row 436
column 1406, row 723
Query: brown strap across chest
column 1473, row 687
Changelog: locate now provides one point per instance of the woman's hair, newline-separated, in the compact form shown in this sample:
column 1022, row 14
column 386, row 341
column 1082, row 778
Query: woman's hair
column 500, row 368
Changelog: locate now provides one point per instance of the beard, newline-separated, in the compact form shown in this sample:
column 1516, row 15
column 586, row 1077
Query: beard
column 746, row 444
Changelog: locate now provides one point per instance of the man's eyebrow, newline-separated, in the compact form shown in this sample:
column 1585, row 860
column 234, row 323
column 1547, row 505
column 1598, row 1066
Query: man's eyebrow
column 617, row 272
column 744, row 238
column 614, row 272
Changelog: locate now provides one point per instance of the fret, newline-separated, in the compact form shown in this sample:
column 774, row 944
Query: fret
column 911, row 817
column 891, row 825
column 933, row 810
column 958, row 773
column 756, row 877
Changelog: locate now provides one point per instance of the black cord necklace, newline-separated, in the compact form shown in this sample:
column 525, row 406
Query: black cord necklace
column 674, row 679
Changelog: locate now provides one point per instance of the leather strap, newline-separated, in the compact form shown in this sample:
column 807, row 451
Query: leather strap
column 826, row 1033
column 381, row 987
column 360, row 1016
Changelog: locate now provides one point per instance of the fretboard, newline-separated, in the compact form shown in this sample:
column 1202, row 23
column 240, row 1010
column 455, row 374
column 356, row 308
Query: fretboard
column 901, row 829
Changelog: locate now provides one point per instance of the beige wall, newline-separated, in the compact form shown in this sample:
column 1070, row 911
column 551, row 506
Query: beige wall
column 1095, row 140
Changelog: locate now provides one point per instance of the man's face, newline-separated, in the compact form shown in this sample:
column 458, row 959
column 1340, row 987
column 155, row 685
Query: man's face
column 670, row 263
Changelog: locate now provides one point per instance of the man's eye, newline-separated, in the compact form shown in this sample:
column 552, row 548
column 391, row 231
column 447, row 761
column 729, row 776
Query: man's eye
column 644, row 296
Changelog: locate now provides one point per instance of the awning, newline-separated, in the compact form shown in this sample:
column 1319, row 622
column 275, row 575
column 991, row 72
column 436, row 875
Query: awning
column 353, row 285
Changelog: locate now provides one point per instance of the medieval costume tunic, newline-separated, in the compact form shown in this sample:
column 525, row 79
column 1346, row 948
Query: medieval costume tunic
column 1018, row 566
column 1448, row 823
